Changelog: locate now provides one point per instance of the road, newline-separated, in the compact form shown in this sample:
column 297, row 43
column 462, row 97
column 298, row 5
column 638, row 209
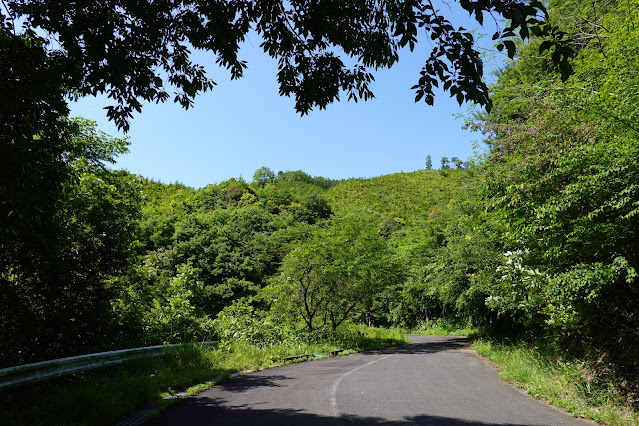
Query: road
column 433, row 381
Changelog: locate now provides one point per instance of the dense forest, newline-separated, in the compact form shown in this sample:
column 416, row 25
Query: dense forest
column 147, row 262
column 536, row 238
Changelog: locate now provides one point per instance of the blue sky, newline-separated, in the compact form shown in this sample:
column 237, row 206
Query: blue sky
column 244, row 124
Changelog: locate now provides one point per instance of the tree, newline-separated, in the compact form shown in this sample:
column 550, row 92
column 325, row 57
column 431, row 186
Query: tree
column 33, row 138
column 327, row 278
column 429, row 163
column 131, row 50
column 459, row 164
column 56, row 284
column 263, row 175
column 445, row 163
column 563, row 176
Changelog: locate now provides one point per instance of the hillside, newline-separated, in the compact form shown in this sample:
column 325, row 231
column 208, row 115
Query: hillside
column 406, row 197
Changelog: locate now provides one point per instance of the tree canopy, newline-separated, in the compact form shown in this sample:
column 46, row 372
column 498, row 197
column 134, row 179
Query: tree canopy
column 137, row 51
column 336, row 271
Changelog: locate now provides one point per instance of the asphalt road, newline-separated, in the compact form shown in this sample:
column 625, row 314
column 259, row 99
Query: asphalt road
column 434, row 380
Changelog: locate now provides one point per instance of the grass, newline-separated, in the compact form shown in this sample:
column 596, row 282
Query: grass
column 371, row 338
column 547, row 375
column 568, row 384
column 446, row 327
column 103, row 397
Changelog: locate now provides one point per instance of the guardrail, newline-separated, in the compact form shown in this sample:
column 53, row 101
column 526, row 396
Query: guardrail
column 43, row 370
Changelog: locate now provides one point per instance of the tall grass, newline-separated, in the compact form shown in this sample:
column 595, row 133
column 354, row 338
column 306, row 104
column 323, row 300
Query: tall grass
column 102, row 397
column 568, row 384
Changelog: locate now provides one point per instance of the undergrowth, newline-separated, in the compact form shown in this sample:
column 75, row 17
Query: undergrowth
column 567, row 383
column 102, row 397
column 445, row 327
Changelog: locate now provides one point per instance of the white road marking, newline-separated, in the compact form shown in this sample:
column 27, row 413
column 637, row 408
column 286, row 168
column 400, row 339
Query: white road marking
column 334, row 409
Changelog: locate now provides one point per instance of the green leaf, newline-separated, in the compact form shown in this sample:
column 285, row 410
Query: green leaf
column 545, row 45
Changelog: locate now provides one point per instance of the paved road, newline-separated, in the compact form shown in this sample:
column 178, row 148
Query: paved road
column 434, row 380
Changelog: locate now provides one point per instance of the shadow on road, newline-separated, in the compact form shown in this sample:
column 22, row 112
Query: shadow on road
column 251, row 381
column 214, row 411
column 221, row 410
column 433, row 345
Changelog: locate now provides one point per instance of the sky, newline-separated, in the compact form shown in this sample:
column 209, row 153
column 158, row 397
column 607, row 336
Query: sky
column 244, row 124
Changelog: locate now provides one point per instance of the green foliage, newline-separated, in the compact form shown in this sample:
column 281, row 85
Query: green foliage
column 459, row 164
column 164, row 206
column 407, row 198
column 464, row 265
column 263, row 175
column 562, row 178
column 411, row 210
column 335, row 272
column 57, row 281
column 445, row 163
column 429, row 163
column 241, row 322
column 567, row 181
column 202, row 250
column 34, row 139
column 162, row 309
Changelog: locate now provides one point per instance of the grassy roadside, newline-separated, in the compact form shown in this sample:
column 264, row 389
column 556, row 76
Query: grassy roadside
column 568, row 384
column 102, row 397
column 445, row 330
column 547, row 375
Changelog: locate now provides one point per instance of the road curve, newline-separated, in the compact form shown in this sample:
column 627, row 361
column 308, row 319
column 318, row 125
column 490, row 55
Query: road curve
column 433, row 381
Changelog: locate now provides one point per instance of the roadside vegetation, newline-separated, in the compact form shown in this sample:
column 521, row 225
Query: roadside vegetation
column 575, row 385
column 446, row 327
column 106, row 396
column 548, row 373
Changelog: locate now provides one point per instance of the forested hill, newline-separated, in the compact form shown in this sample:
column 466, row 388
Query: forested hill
column 405, row 197
column 174, row 256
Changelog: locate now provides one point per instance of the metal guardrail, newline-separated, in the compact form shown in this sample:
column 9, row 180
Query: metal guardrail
column 43, row 370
